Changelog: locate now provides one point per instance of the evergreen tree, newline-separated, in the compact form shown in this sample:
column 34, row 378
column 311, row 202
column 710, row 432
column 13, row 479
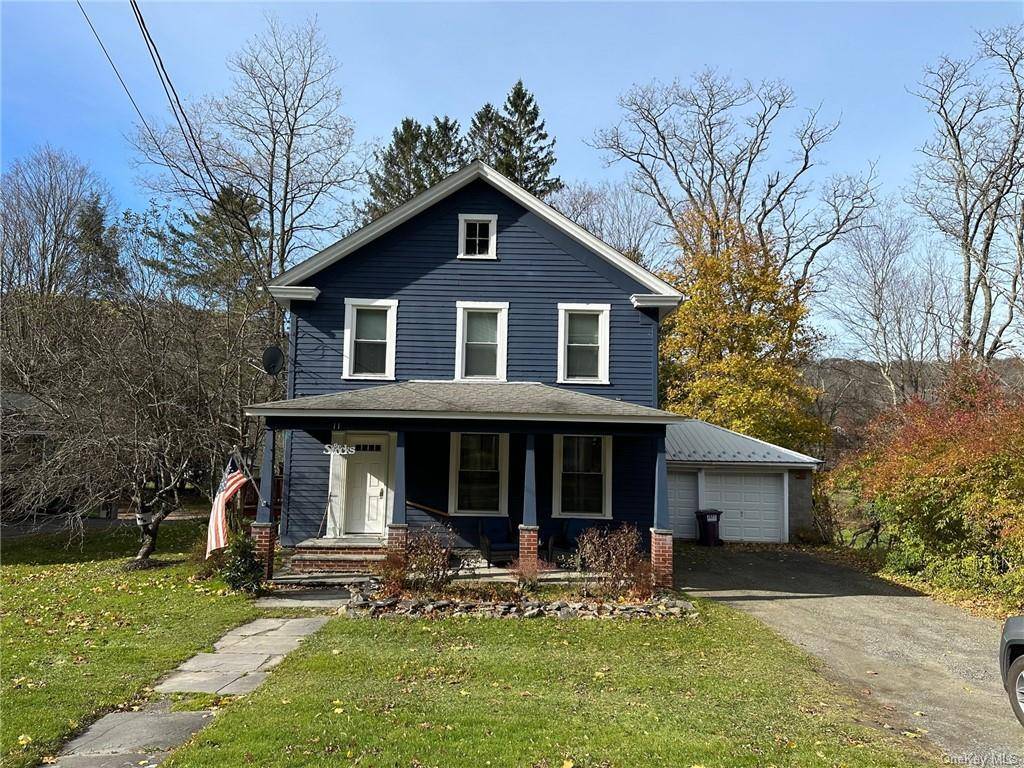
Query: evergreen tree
column 482, row 141
column 97, row 244
column 398, row 175
column 443, row 150
column 211, row 253
column 526, row 154
column 512, row 141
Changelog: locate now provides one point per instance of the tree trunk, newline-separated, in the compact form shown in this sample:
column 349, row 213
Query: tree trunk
column 149, row 528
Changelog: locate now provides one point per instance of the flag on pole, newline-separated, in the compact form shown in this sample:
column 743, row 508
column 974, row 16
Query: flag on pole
column 217, row 532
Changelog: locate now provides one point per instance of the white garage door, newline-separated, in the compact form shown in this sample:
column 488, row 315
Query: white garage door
column 682, row 504
column 751, row 503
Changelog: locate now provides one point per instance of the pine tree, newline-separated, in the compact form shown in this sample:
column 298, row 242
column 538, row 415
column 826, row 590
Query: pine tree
column 211, row 253
column 443, row 150
column 526, row 153
column 398, row 175
column 484, row 137
column 97, row 246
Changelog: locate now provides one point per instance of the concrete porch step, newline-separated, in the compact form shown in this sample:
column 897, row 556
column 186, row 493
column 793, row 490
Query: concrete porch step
column 349, row 542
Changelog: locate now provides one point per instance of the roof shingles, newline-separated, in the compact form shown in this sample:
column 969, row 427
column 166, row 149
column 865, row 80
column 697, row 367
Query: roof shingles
column 427, row 399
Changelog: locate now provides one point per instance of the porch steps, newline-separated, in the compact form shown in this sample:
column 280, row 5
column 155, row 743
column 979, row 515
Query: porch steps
column 353, row 555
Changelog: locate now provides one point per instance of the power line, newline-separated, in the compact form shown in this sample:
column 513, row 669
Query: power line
column 114, row 67
column 177, row 108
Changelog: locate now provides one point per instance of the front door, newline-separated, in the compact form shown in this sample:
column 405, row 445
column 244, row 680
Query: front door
column 366, row 486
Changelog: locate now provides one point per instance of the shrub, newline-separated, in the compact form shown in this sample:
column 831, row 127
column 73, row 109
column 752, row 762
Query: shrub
column 242, row 569
column 947, row 480
column 528, row 574
column 205, row 568
column 616, row 558
column 428, row 563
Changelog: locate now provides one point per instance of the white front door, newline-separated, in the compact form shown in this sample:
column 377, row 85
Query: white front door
column 366, row 484
column 359, row 486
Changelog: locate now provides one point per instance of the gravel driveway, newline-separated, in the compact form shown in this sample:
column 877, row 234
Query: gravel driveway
column 903, row 649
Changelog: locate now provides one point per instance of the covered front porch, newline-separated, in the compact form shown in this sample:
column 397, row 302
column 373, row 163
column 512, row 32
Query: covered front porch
column 513, row 471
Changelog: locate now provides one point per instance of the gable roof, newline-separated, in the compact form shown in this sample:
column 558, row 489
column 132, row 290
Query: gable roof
column 697, row 442
column 476, row 170
column 510, row 401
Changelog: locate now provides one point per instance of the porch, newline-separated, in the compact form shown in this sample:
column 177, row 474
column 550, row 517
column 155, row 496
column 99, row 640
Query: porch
column 512, row 470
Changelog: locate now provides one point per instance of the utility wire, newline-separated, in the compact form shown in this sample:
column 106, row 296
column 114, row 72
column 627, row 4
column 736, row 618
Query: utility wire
column 114, row 67
column 177, row 109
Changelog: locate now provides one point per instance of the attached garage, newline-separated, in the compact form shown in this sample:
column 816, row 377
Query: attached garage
column 762, row 490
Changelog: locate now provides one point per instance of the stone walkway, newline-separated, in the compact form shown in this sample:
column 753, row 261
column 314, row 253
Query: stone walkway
column 239, row 663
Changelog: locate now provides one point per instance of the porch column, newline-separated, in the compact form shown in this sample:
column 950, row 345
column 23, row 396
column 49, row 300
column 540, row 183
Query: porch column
column 528, row 530
column 661, row 533
column 398, row 530
column 263, row 530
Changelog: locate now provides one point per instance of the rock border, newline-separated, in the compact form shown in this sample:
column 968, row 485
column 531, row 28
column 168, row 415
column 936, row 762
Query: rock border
column 669, row 608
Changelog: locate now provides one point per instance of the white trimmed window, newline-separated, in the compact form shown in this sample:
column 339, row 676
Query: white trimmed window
column 370, row 328
column 481, row 340
column 582, row 476
column 478, row 236
column 583, row 333
column 478, row 474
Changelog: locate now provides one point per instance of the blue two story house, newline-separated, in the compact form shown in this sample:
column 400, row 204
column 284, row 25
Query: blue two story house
column 472, row 359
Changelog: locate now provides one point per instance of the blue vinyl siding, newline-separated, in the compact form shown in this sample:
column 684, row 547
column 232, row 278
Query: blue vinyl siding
column 538, row 267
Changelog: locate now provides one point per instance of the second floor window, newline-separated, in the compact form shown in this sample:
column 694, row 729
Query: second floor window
column 583, row 339
column 481, row 337
column 478, row 236
column 370, row 338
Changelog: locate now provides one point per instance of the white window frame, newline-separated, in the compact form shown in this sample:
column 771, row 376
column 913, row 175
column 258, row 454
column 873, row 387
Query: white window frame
column 453, row 477
column 492, row 246
column 348, row 354
column 603, row 311
column 556, row 479
column 501, row 367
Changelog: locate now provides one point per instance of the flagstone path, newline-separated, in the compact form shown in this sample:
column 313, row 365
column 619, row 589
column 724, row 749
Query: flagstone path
column 239, row 663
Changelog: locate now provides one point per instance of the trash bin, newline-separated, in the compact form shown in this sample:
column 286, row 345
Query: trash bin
column 707, row 527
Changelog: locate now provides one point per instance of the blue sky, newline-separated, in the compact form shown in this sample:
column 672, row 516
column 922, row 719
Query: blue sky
column 857, row 60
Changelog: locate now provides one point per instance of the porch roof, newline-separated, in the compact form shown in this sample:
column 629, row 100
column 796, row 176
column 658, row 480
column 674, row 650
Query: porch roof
column 510, row 401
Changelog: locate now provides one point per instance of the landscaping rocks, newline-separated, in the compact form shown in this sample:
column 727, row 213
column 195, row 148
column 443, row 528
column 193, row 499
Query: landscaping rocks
column 525, row 609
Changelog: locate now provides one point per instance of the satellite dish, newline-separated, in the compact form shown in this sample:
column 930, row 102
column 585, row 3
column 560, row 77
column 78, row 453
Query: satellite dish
column 273, row 360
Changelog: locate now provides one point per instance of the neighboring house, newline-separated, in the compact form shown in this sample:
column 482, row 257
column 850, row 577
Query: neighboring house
column 476, row 360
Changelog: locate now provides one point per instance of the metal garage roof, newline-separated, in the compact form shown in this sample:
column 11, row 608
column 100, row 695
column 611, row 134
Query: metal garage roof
column 697, row 442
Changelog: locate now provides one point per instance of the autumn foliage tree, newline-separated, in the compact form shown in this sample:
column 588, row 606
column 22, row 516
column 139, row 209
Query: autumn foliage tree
column 733, row 353
column 947, row 480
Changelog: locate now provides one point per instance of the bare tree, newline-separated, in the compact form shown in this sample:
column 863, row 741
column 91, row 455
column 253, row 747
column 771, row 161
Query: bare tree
column 894, row 308
column 41, row 197
column 970, row 184
column 121, row 387
column 278, row 137
column 708, row 146
column 628, row 220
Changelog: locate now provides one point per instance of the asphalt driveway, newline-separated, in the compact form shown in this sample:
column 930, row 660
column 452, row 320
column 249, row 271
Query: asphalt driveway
column 902, row 649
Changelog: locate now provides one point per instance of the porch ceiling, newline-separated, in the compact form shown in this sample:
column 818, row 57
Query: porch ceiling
column 510, row 401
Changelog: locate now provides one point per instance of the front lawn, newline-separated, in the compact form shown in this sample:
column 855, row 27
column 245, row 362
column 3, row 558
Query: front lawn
column 550, row 693
column 80, row 636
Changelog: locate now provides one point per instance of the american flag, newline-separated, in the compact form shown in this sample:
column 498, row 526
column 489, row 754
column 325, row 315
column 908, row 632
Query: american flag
column 217, row 533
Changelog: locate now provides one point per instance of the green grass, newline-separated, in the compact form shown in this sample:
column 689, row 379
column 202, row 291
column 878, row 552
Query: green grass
column 79, row 636
column 490, row 692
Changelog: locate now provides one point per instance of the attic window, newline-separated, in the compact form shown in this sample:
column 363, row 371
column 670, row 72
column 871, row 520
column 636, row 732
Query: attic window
column 478, row 236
